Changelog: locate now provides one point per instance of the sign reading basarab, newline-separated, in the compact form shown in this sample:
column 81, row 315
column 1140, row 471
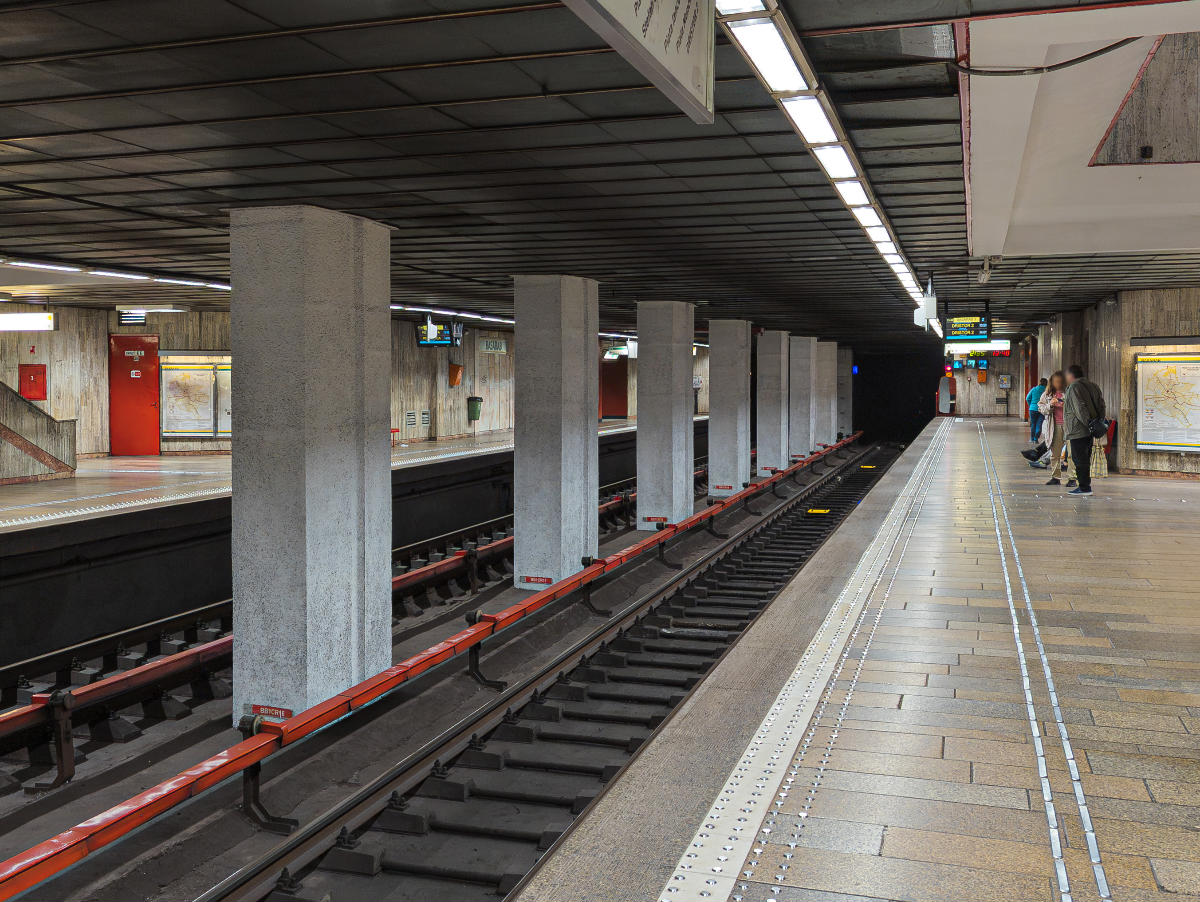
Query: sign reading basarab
column 1168, row 402
column 671, row 43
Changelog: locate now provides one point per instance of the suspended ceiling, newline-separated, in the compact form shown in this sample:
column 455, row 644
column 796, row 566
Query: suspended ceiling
column 496, row 140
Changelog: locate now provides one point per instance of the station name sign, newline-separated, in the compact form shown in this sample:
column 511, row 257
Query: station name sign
column 671, row 44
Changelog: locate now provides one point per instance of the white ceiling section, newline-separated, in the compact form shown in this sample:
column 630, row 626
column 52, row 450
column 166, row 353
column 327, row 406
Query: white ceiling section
column 1032, row 137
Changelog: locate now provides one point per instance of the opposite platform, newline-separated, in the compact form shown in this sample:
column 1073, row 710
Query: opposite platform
column 109, row 485
column 978, row 689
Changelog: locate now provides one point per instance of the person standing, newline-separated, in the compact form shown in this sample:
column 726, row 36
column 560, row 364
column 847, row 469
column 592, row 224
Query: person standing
column 1035, row 415
column 1082, row 405
column 1051, row 407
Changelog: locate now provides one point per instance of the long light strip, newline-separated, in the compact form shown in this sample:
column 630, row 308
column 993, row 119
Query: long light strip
column 128, row 275
column 761, row 30
column 467, row 314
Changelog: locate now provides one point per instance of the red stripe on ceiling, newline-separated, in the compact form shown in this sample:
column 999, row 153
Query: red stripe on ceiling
column 1137, row 80
column 962, row 55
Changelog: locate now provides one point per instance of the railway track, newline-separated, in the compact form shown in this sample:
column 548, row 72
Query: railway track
column 112, row 688
column 471, row 813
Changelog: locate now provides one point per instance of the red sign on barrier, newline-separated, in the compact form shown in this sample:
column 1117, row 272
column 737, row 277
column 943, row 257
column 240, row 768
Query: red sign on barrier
column 540, row 580
column 655, row 519
column 726, row 487
column 271, row 711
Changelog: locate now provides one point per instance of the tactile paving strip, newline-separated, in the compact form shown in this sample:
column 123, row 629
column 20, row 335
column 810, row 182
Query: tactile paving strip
column 709, row 866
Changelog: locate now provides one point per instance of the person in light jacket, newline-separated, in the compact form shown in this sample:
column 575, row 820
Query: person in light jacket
column 1054, row 433
column 1083, row 403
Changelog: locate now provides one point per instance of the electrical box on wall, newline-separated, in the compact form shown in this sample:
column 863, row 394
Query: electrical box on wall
column 32, row 379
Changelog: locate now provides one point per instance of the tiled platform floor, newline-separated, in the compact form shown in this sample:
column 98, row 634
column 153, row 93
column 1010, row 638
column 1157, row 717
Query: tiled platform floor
column 912, row 772
column 116, row 484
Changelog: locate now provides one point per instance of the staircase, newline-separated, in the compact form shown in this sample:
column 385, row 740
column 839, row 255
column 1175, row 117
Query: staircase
column 33, row 445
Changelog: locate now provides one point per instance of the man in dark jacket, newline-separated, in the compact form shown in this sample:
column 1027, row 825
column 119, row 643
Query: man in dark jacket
column 1082, row 404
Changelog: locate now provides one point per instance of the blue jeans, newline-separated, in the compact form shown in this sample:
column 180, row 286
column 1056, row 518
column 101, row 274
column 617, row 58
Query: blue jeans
column 1035, row 424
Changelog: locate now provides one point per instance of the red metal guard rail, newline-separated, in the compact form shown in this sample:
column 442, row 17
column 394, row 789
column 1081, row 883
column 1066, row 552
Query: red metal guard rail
column 457, row 562
column 38, row 712
column 26, row 870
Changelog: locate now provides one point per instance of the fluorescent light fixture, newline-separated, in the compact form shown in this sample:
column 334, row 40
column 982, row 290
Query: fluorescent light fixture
column 26, row 322
column 866, row 216
column 150, row 308
column 835, row 161
column 131, row 317
column 217, row 285
column 764, row 46
column 878, row 234
column 809, row 116
column 900, row 268
column 852, row 193
column 892, row 258
column 117, row 275
column 733, row 7
column 27, row 265
column 190, row 282
column 966, row 347
column 936, row 325
column 885, row 247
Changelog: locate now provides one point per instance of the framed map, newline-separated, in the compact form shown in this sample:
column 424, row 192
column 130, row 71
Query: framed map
column 187, row 399
column 1168, row 402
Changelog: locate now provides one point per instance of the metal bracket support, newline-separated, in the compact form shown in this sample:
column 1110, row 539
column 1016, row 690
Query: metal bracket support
column 587, row 592
column 253, row 807
column 477, row 674
column 61, row 703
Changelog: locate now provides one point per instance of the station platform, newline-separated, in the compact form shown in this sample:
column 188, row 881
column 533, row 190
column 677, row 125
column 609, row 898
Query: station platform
column 109, row 485
column 979, row 688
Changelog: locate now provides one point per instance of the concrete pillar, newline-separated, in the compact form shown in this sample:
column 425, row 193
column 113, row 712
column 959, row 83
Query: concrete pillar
column 772, row 385
column 802, row 370
column 665, row 456
column 825, row 411
column 845, row 391
column 556, row 480
column 729, row 406
column 312, row 513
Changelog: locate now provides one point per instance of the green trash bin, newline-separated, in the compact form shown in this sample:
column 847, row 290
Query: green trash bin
column 474, row 408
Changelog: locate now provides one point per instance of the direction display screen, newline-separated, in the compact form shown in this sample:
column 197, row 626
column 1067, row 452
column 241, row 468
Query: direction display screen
column 967, row 328
column 439, row 334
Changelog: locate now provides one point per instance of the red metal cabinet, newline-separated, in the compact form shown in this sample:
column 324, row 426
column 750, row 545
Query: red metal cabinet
column 32, row 379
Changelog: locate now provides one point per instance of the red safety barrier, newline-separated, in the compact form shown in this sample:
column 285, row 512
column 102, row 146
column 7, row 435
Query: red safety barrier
column 23, row 871
column 113, row 687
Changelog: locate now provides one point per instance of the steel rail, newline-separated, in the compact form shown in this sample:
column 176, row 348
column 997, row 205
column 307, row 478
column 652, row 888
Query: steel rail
column 256, row 880
column 50, row 857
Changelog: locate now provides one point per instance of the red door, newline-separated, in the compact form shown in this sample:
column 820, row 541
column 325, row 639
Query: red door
column 614, row 387
column 133, row 422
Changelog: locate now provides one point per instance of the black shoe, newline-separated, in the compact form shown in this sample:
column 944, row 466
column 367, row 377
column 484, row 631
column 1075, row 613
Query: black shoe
column 1030, row 454
column 1071, row 483
column 1080, row 492
column 1054, row 481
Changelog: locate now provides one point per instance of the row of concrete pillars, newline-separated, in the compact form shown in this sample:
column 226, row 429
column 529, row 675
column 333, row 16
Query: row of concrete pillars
column 311, row 459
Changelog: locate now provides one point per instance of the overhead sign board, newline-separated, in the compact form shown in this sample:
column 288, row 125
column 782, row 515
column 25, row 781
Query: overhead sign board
column 966, row 328
column 671, row 44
